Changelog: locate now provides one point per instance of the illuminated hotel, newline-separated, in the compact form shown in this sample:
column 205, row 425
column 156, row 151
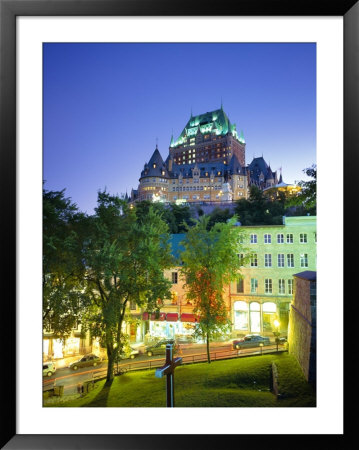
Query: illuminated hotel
column 206, row 163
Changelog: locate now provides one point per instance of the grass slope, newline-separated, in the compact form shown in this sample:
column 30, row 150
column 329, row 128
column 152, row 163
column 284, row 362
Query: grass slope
column 242, row 382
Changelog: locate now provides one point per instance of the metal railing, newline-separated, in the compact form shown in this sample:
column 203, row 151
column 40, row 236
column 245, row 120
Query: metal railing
column 122, row 368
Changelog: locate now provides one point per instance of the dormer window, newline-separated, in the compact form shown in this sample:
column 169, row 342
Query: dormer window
column 154, row 165
column 163, row 172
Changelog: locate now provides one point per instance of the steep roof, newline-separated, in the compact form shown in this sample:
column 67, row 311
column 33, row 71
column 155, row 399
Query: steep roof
column 257, row 167
column 234, row 166
column 155, row 167
column 215, row 121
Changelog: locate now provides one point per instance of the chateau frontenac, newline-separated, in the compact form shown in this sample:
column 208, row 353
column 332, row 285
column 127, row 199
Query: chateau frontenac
column 206, row 163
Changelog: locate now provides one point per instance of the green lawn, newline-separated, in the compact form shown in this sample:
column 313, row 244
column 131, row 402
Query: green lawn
column 236, row 382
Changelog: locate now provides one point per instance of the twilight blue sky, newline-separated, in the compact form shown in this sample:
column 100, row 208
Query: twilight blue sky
column 105, row 105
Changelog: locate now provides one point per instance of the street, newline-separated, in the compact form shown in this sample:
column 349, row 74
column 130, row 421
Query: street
column 189, row 352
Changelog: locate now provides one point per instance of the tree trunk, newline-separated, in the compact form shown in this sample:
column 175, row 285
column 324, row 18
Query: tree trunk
column 111, row 361
column 208, row 353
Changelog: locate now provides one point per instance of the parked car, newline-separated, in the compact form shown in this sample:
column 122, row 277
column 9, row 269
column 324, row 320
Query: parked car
column 129, row 353
column 85, row 361
column 160, row 347
column 250, row 340
column 48, row 369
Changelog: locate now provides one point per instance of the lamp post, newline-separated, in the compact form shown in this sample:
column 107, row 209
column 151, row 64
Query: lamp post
column 261, row 346
column 276, row 332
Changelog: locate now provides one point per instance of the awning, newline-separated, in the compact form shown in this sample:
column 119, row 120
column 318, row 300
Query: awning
column 161, row 316
column 145, row 316
column 188, row 318
column 172, row 317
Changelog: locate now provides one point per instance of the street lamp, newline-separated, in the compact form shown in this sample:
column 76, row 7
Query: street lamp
column 276, row 332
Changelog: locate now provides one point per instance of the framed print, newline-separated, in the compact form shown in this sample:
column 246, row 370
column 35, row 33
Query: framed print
column 99, row 75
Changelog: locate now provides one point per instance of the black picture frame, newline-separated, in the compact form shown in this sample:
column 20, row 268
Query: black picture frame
column 9, row 10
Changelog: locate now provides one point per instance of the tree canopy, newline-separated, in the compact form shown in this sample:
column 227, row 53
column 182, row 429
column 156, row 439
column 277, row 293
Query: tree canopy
column 210, row 261
column 306, row 200
column 259, row 210
column 62, row 269
column 124, row 255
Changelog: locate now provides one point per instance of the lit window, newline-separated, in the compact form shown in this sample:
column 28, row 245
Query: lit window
column 240, row 315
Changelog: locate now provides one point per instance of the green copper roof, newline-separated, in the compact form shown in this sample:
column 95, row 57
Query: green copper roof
column 210, row 122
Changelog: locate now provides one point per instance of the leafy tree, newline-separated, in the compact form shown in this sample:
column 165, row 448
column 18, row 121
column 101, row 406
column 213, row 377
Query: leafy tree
column 63, row 301
column 210, row 262
column 307, row 198
column 182, row 216
column 219, row 215
column 176, row 216
column 124, row 255
column 260, row 210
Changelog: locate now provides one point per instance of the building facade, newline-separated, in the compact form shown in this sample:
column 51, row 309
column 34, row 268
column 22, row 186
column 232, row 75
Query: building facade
column 262, row 294
column 206, row 163
column 265, row 291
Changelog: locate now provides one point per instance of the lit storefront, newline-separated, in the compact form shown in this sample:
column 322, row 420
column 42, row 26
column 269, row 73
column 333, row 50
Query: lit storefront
column 170, row 325
column 254, row 317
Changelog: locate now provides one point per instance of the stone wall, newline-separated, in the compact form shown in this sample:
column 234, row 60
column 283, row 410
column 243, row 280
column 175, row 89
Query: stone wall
column 301, row 330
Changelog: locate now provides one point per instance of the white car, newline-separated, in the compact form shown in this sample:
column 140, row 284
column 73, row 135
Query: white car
column 48, row 369
column 129, row 352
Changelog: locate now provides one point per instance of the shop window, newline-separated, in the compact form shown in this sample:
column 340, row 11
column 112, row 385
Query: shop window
column 255, row 318
column 240, row 315
column 269, row 314
column 174, row 298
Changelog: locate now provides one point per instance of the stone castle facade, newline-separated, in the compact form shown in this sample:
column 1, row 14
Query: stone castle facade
column 206, row 163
